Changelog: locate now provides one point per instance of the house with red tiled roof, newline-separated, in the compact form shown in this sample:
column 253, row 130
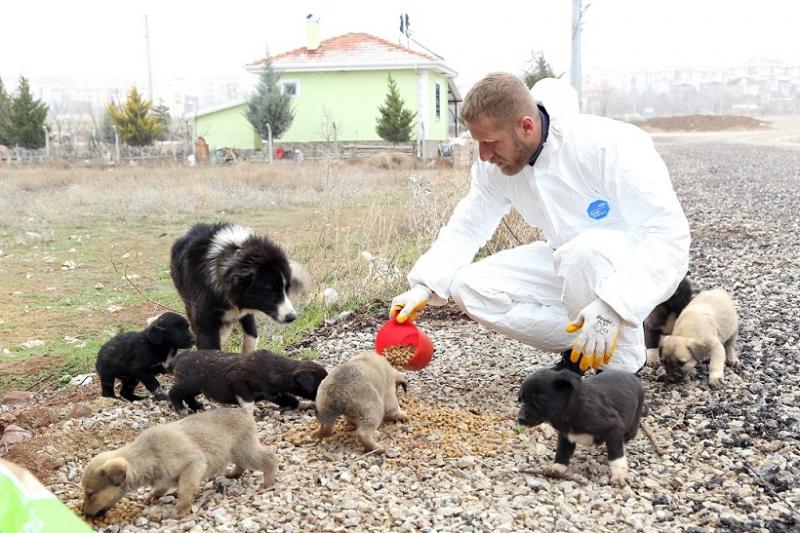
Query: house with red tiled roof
column 337, row 85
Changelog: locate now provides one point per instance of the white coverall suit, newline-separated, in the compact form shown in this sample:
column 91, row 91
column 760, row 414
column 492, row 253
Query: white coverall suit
column 602, row 196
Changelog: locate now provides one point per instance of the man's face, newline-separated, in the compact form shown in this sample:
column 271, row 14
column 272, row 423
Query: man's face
column 505, row 147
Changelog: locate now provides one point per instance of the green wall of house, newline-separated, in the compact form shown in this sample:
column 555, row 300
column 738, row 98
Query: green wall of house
column 350, row 99
column 228, row 128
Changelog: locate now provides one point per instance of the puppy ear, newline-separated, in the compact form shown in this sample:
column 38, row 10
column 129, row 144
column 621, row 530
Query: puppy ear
column 155, row 334
column 306, row 382
column 698, row 350
column 115, row 471
column 301, row 280
column 567, row 380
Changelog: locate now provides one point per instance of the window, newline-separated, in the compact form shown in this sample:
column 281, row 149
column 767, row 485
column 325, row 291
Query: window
column 438, row 102
column 292, row 88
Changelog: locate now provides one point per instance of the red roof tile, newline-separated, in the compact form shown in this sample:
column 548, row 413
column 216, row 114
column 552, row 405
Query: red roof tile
column 350, row 49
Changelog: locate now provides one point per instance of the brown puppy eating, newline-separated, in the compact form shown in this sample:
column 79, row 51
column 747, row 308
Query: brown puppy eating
column 706, row 330
column 364, row 390
column 182, row 454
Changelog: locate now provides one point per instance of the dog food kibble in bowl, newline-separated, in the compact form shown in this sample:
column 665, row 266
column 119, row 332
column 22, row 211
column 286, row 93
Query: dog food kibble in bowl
column 400, row 340
column 400, row 354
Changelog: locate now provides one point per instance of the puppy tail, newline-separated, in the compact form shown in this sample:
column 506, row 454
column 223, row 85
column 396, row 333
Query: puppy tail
column 301, row 280
column 327, row 412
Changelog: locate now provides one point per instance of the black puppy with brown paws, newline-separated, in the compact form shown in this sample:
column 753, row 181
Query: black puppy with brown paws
column 603, row 408
column 138, row 356
column 231, row 378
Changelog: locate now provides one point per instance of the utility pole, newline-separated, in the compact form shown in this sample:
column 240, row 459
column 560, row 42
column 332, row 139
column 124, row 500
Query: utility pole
column 149, row 68
column 575, row 68
column 116, row 144
column 46, row 141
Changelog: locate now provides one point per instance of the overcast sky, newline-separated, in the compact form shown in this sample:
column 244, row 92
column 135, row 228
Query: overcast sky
column 97, row 39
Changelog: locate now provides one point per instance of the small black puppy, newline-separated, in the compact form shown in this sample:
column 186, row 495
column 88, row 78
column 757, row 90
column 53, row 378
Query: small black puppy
column 602, row 408
column 243, row 378
column 661, row 320
column 138, row 356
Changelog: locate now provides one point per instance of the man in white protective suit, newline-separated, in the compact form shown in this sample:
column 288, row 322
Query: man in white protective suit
column 617, row 238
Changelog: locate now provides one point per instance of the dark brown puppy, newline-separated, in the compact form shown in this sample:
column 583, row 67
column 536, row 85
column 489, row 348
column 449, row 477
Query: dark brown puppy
column 602, row 408
column 243, row 378
column 661, row 320
column 136, row 356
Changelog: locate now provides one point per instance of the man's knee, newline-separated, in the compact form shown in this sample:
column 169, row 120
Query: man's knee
column 462, row 290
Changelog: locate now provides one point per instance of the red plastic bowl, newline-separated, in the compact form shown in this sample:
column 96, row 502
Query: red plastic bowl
column 393, row 333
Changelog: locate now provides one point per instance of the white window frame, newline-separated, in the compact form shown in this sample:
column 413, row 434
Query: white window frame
column 296, row 83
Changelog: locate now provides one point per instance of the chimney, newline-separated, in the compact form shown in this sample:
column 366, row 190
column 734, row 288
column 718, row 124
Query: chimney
column 312, row 32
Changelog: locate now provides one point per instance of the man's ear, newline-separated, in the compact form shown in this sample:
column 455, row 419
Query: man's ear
column 155, row 334
column 527, row 125
column 115, row 471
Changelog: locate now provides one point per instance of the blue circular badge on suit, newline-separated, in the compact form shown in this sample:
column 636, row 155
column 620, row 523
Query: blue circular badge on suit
column 598, row 209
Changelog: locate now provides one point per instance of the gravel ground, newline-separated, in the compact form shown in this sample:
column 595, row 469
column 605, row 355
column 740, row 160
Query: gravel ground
column 730, row 457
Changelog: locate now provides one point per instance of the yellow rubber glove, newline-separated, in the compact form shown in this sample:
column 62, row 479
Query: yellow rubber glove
column 408, row 305
column 598, row 325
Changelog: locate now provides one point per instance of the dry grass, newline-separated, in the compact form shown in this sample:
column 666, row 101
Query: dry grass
column 356, row 227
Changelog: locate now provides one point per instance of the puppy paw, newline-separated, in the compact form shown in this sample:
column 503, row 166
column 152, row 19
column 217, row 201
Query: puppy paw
column 397, row 416
column 306, row 405
column 732, row 362
column 160, row 395
column 182, row 510
column 619, row 471
column 234, row 472
column 555, row 470
column 154, row 495
column 653, row 360
column 619, row 480
column 320, row 434
column 716, row 380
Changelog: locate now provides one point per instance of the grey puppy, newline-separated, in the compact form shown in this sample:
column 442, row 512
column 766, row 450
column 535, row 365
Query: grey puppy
column 181, row 454
column 364, row 390
column 706, row 330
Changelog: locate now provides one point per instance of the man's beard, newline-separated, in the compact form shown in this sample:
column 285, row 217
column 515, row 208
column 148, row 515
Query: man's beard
column 520, row 156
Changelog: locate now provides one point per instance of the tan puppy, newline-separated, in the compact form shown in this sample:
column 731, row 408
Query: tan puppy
column 182, row 454
column 706, row 330
column 364, row 390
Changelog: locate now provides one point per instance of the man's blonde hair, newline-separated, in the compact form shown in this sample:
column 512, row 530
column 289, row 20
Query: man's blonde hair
column 501, row 96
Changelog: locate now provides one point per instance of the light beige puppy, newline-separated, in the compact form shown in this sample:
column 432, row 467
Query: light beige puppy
column 706, row 330
column 364, row 390
column 182, row 454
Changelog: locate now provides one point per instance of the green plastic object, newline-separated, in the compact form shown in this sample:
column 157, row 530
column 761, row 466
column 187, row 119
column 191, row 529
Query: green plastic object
column 26, row 505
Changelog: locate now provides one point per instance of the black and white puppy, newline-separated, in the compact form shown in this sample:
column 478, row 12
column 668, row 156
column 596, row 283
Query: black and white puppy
column 244, row 379
column 661, row 320
column 134, row 357
column 602, row 408
column 224, row 273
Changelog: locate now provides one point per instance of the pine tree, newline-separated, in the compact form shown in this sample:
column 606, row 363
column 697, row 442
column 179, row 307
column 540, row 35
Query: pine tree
column 161, row 112
column 395, row 121
column 538, row 69
column 268, row 105
column 5, row 103
column 106, row 132
column 24, row 123
column 136, row 125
